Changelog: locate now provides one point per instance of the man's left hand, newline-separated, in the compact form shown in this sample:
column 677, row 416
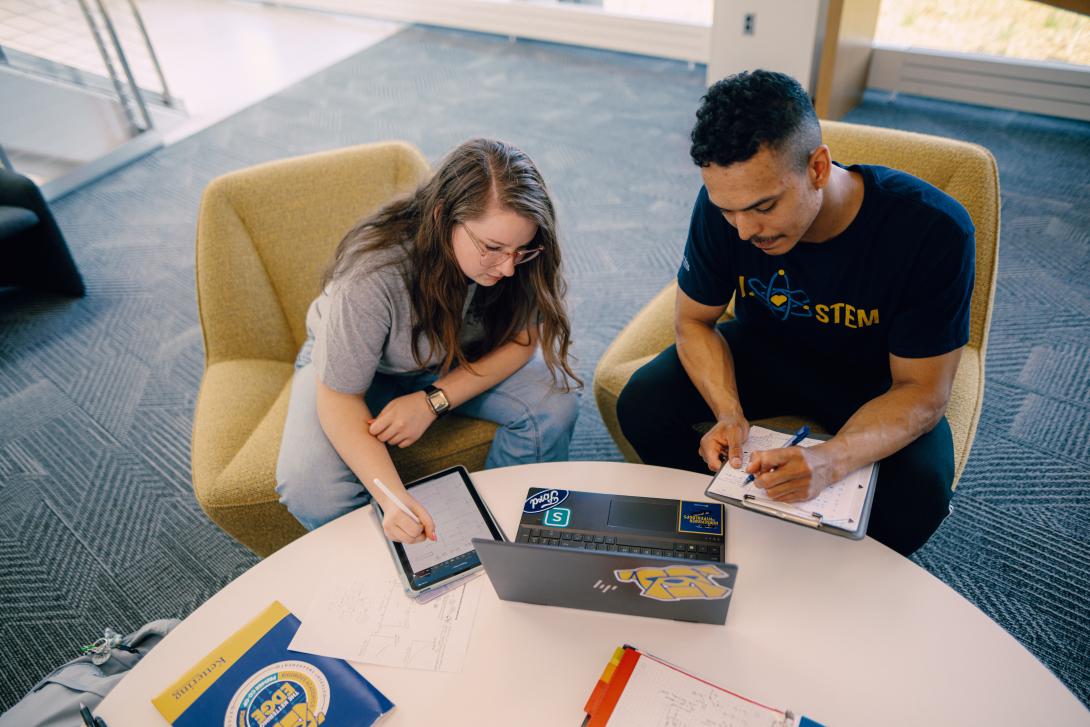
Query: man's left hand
column 792, row 474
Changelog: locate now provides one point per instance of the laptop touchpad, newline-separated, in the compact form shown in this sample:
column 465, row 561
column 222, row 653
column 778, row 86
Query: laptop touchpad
column 639, row 514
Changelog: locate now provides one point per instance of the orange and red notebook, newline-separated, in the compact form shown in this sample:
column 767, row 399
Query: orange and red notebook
column 638, row 689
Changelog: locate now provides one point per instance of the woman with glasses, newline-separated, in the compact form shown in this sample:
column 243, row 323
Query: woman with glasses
column 448, row 299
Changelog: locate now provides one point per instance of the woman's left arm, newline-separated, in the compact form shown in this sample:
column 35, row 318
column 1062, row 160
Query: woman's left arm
column 460, row 385
column 405, row 419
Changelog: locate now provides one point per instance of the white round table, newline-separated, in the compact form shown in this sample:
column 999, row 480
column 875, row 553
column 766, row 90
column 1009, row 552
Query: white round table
column 846, row 632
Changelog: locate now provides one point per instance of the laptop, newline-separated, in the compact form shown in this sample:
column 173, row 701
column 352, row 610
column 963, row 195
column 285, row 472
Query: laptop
column 623, row 523
column 643, row 556
column 638, row 585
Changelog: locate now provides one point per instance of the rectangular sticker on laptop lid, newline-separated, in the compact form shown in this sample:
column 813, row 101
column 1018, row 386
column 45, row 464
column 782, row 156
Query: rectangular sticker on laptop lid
column 700, row 517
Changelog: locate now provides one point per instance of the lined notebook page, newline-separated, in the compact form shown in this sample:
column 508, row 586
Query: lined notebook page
column 659, row 695
column 840, row 504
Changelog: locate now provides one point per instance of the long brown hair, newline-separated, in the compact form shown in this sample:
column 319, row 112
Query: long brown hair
column 423, row 224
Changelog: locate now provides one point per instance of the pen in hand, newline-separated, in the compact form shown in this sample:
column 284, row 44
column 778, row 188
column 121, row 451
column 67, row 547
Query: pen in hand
column 800, row 435
column 397, row 501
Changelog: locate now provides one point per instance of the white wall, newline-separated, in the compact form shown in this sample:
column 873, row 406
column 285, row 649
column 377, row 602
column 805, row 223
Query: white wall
column 573, row 24
column 785, row 38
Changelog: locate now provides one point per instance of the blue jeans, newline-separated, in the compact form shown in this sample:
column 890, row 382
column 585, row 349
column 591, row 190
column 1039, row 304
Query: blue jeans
column 536, row 420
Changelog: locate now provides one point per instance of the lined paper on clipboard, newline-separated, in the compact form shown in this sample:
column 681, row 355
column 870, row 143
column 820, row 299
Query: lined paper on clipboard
column 637, row 689
column 839, row 505
column 658, row 694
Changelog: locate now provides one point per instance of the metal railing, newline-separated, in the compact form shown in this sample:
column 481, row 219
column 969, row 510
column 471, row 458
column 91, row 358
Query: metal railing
column 81, row 90
column 99, row 45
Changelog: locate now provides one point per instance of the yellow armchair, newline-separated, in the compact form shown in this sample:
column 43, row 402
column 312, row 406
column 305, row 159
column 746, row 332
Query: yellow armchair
column 264, row 236
column 966, row 172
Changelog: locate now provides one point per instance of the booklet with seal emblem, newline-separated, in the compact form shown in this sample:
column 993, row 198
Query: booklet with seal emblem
column 253, row 680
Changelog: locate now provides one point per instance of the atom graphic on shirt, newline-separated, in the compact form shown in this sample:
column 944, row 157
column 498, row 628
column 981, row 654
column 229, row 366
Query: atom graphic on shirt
column 780, row 299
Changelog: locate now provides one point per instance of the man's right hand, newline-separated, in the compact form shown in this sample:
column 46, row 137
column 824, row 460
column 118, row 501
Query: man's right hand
column 399, row 527
column 723, row 442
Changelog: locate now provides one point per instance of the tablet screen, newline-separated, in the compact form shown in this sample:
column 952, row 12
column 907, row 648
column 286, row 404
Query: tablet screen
column 460, row 515
column 457, row 521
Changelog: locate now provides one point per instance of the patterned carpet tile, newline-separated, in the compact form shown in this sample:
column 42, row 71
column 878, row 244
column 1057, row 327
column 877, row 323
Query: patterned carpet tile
column 98, row 525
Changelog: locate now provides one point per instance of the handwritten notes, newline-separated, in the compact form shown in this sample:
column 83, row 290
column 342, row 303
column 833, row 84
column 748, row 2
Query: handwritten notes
column 660, row 695
column 371, row 620
column 457, row 522
column 840, row 504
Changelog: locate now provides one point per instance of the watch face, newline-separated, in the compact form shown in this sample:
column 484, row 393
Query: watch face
column 438, row 401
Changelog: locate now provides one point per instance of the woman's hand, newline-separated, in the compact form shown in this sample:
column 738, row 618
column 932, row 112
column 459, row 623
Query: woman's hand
column 403, row 421
column 400, row 527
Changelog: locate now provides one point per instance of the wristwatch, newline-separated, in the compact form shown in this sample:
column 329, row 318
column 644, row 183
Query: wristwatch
column 437, row 400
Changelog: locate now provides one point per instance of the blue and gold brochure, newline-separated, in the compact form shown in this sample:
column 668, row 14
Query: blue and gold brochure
column 252, row 680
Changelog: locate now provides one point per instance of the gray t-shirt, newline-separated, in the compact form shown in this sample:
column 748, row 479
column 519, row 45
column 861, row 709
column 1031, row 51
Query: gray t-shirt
column 363, row 323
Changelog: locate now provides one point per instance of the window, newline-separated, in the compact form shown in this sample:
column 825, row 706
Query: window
column 1008, row 28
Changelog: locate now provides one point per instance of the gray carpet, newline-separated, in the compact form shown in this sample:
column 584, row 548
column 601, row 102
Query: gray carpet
column 97, row 522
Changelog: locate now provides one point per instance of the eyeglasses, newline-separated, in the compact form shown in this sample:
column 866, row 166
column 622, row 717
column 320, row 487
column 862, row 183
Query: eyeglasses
column 492, row 258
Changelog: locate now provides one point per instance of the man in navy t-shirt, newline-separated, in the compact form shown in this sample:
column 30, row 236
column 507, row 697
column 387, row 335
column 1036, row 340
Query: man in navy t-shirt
column 851, row 288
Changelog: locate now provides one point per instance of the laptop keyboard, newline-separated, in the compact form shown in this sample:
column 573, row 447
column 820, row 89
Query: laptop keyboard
column 619, row 544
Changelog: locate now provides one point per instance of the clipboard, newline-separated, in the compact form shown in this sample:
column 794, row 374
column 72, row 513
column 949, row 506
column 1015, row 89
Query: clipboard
column 858, row 485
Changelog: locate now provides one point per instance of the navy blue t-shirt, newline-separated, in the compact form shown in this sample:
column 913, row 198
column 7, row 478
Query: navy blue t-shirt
column 897, row 280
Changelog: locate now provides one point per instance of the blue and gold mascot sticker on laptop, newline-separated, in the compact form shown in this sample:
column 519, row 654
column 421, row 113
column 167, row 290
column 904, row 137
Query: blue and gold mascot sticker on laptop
column 677, row 582
column 285, row 694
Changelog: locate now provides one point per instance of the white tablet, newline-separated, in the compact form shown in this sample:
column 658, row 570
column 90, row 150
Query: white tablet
column 460, row 515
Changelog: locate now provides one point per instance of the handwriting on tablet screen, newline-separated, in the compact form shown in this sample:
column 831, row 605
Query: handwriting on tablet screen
column 457, row 521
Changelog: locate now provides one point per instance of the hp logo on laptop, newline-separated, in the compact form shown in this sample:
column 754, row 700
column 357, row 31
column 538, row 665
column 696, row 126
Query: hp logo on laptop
column 604, row 587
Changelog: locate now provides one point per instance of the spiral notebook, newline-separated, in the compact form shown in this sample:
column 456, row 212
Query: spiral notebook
column 842, row 508
column 637, row 689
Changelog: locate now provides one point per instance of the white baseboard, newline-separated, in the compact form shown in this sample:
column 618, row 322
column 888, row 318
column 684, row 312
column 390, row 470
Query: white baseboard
column 137, row 147
column 570, row 24
column 1042, row 88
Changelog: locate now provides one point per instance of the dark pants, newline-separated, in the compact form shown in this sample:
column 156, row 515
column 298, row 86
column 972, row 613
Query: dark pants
column 660, row 408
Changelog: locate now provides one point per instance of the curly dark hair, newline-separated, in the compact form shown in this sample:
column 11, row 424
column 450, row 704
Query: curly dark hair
column 753, row 109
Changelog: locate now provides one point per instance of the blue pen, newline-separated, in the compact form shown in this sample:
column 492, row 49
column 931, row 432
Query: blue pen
column 800, row 435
